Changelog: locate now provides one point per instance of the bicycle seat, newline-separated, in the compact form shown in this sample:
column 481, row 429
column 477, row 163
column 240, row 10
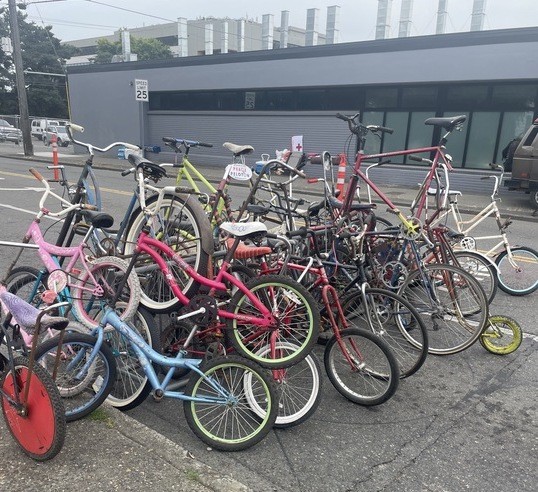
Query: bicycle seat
column 258, row 210
column 243, row 251
column 150, row 169
column 359, row 207
column 449, row 123
column 238, row 149
column 26, row 315
column 243, row 229
column 98, row 219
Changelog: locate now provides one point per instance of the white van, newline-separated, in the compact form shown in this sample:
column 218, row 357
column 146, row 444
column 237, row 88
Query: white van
column 40, row 125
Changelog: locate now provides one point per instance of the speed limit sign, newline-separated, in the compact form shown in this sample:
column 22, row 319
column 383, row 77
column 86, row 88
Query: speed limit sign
column 141, row 90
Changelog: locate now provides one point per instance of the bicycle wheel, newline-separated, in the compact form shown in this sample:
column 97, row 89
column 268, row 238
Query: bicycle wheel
column 451, row 303
column 41, row 431
column 181, row 224
column 481, row 269
column 520, row 277
column 503, row 335
column 28, row 283
column 392, row 318
column 108, row 272
column 132, row 386
column 361, row 366
column 295, row 315
column 228, row 422
column 82, row 391
column 298, row 388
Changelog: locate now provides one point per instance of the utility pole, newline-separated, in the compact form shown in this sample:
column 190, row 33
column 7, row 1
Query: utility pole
column 19, row 73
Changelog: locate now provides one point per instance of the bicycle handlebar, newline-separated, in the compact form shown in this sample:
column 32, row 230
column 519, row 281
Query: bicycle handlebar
column 37, row 174
column 91, row 147
column 173, row 142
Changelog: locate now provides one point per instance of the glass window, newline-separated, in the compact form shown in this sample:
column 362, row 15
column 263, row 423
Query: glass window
column 384, row 97
column 420, row 135
column 229, row 100
column 278, row 101
column 373, row 143
column 419, row 97
column 514, row 124
column 344, row 98
column 398, row 122
column 514, row 96
column 311, row 99
column 482, row 137
column 464, row 96
column 456, row 141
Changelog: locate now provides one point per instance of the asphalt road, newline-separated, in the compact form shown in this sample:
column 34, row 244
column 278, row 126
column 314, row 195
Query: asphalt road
column 466, row 421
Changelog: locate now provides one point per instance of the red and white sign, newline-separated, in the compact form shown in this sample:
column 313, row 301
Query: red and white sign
column 241, row 172
column 297, row 143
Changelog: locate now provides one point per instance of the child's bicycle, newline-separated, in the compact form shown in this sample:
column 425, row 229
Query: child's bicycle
column 31, row 404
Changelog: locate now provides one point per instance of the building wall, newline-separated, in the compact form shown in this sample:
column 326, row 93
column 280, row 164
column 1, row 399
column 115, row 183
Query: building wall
column 488, row 57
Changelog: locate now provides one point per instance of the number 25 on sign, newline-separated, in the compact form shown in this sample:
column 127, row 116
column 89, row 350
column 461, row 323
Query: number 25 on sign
column 141, row 90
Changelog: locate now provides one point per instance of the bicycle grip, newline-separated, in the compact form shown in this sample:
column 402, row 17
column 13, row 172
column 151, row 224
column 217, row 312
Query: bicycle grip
column 385, row 129
column 127, row 172
column 415, row 158
column 202, row 144
column 302, row 232
column 37, row 174
column 340, row 116
column 136, row 148
column 76, row 128
column 169, row 140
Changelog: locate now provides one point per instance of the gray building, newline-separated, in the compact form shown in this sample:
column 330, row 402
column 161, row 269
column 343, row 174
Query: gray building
column 263, row 98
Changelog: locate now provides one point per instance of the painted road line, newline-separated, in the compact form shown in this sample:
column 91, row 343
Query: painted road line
column 31, row 212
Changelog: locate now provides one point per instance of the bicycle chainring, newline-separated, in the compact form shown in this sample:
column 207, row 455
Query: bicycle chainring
column 468, row 243
column 394, row 274
column 414, row 231
column 211, row 309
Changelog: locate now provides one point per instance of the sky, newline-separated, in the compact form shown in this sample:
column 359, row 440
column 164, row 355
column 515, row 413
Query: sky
column 77, row 19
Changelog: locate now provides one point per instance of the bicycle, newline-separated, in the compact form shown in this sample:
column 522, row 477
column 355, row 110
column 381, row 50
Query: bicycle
column 516, row 266
column 31, row 404
column 230, row 403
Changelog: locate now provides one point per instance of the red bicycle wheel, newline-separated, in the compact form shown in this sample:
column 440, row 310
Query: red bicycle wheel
column 40, row 432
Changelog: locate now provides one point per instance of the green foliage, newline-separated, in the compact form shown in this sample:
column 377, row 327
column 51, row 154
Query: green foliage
column 41, row 52
column 146, row 49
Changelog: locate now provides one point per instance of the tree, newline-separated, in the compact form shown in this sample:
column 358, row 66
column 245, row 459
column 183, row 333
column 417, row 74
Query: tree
column 41, row 52
column 146, row 49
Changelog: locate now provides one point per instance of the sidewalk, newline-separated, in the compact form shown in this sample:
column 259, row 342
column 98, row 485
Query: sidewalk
column 108, row 451
column 513, row 204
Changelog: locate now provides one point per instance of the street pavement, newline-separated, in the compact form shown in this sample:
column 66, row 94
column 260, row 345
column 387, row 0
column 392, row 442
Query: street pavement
column 463, row 422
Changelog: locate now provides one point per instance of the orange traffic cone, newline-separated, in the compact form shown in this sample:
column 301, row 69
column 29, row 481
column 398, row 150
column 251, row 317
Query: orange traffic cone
column 54, row 145
column 341, row 176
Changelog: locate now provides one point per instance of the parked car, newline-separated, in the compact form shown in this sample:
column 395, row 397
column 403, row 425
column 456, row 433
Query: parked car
column 39, row 126
column 62, row 138
column 9, row 133
column 525, row 164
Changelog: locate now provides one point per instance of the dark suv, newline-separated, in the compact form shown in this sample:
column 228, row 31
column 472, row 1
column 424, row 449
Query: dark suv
column 525, row 164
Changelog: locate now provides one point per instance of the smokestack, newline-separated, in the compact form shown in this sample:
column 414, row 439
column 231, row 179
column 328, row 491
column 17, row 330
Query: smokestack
column 442, row 13
column 268, row 26
column 224, row 38
column 241, row 35
column 208, row 39
column 332, row 33
column 182, row 39
column 406, row 13
column 284, row 28
column 311, row 35
column 479, row 13
column 382, row 29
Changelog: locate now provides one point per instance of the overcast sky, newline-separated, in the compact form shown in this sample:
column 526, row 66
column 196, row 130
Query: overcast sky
column 76, row 19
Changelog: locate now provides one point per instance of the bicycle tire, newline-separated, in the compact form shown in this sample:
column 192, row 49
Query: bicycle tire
column 522, row 281
column 28, row 283
column 81, row 394
column 132, row 385
column 392, row 318
column 296, row 316
column 192, row 239
column 41, row 433
column 298, row 388
column 375, row 375
column 108, row 271
column 245, row 380
column 456, row 314
column 481, row 269
column 502, row 335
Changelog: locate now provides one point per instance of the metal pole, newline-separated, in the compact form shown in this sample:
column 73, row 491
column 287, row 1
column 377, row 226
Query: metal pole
column 21, row 89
